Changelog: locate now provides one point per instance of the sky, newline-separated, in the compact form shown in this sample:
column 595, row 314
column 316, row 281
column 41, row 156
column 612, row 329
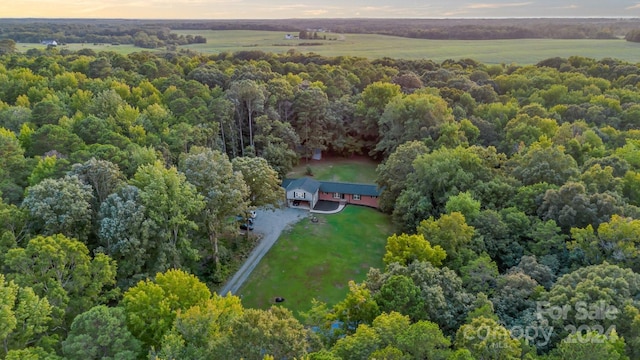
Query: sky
column 284, row 9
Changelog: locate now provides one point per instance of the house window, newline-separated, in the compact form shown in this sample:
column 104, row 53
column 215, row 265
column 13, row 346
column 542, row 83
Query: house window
column 356, row 196
column 299, row 194
column 337, row 195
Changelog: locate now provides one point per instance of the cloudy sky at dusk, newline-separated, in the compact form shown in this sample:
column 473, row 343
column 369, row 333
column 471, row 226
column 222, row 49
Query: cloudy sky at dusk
column 281, row 9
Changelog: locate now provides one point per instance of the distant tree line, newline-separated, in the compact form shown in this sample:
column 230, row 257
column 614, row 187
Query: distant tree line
column 311, row 35
column 633, row 36
column 159, row 31
column 149, row 36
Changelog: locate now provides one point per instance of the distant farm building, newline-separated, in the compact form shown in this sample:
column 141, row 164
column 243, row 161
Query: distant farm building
column 49, row 42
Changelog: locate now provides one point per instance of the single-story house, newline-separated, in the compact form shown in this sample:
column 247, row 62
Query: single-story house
column 306, row 192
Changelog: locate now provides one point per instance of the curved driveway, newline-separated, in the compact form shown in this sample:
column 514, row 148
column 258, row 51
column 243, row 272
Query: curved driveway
column 270, row 224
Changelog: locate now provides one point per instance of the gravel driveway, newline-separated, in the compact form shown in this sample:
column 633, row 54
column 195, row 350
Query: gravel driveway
column 269, row 224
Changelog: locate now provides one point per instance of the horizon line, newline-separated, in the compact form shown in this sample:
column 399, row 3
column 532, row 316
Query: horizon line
column 334, row 18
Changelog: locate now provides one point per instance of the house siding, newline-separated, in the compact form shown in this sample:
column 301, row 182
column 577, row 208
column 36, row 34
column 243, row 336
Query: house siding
column 365, row 200
column 331, row 191
column 311, row 198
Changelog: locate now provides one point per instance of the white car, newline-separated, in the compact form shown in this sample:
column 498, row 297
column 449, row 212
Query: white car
column 252, row 214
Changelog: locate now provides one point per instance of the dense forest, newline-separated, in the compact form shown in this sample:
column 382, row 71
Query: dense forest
column 514, row 191
column 157, row 33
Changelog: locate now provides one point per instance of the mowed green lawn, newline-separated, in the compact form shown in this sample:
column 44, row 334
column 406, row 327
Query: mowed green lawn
column 357, row 169
column 317, row 260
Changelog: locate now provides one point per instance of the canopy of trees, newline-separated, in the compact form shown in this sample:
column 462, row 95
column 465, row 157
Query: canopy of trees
column 513, row 190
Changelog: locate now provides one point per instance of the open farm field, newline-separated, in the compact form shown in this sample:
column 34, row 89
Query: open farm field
column 371, row 46
column 317, row 260
column 521, row 51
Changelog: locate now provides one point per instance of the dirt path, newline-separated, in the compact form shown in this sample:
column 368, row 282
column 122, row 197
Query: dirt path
column 270, row 224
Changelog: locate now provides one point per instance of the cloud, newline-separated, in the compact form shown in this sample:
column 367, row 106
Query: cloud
column 497, row 5
column 316, row 12
column 238, row 9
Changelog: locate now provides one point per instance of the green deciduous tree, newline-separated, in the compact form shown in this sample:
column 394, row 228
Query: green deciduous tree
column 423, row 340
column 393, row 172
column 360, row 345
column 405, row 249
column 152, row 305
column 171, row 204
column 465, row 204
column 13, row 227
column 591, row 346
column 103, row 176
column 61, row 270
column 53, row 137
column 275, row 141
column 24, row 316
column 310, row 121
column 224, row 191
column 411, row 117
column 60, row 206
column 599, row 180
column 53, row 167
column 392, row 336
column 202, row 330
column 525, row 130
column 607, row 287
column 47, row 112
column 369, row 109
column 358, row 307
column 570, row 206
column 544, row 162
column 273, row 332
column 514, row 298
column 106, row 104
column 263, row 181
column 249, row 98
column 400, row 294
column 31, row 353
column 503, row 234
column 486, row 339
column 7, row 46
column 101, row 333
column 615, row 241
column 480, row 275
column 547, row 240
column 450, row 232
column 439, row 175
column 445, row 301
column 13, row 166
column 122, row 234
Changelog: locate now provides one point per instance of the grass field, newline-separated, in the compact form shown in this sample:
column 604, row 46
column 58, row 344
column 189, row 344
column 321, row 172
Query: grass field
column 317, row 260
column 520, row 51
column 354, row 169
